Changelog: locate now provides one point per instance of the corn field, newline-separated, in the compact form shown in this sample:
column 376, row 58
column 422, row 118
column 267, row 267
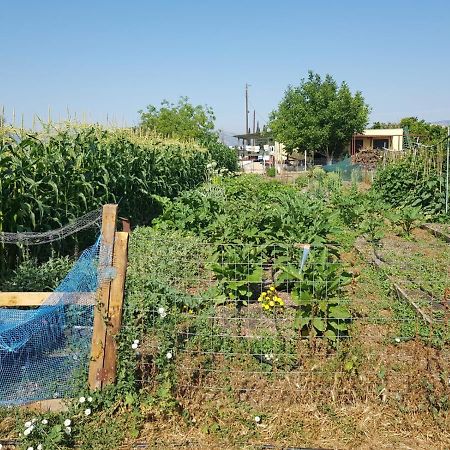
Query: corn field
column 51, row 177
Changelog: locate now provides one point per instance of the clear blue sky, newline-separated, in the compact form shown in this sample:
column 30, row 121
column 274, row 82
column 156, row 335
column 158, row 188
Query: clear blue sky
column 115, row 57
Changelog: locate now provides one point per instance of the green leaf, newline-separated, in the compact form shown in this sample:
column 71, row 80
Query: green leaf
column 318, row 324
column 301, row 322
column 330, row 335
column 339, row 312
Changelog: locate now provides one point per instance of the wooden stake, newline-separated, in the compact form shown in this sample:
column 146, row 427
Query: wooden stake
column 115, row 307
column 96, row 374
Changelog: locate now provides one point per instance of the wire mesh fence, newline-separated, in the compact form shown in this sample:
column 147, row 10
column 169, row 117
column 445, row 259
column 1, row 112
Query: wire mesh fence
column 241, row 317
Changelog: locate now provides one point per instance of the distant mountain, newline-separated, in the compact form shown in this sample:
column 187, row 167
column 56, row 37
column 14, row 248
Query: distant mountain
column 444, row 123
column 227, row 138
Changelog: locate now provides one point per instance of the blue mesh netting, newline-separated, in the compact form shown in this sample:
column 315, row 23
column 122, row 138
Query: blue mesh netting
column 346, row 169
column 44, row 349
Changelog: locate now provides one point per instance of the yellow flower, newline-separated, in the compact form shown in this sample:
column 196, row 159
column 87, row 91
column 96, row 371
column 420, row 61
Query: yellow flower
column 266, row 306
column 263, row 294
column 281, row 302
column 272, row 303
column 272, row 288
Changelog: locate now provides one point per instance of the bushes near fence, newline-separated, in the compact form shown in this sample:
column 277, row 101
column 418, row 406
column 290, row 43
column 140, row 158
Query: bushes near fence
column 417, row 180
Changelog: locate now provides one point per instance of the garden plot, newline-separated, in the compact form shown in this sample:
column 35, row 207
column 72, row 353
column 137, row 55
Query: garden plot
column 418, row 267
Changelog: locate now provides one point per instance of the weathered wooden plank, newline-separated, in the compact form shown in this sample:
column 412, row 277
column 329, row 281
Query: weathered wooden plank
column 436, row 231
column 21, row 299
column 115, row 306
column 53, row 405
column 96, row 375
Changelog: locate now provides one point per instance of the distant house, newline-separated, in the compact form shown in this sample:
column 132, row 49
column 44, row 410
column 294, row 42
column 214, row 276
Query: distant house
column 258, row 147
column 383, row 138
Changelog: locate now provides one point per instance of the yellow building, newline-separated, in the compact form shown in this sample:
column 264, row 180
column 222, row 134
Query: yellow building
column 383, row 138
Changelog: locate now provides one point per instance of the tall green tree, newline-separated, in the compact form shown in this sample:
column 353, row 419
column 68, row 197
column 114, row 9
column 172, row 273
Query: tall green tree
column 319, row 115
column 180, row 120
column 427, row 133
column 187, row 122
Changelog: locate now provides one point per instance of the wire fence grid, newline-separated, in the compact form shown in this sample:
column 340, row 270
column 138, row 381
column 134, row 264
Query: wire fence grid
column 231, row 316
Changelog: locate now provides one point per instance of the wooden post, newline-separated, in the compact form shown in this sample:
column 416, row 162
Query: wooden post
column 96, row 372
column 115, row 307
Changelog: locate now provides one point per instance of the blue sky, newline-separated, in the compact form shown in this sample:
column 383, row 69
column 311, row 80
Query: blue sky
column 115, row 57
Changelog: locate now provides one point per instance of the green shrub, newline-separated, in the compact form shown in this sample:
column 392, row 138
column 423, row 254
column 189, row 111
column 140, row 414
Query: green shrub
column 409, row 182
column 407, row 218
column 224, row 156
column 31, row 276
column 250, row 210
column 271, row 172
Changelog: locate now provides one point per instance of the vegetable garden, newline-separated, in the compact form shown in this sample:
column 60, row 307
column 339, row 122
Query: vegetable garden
column 258, row 313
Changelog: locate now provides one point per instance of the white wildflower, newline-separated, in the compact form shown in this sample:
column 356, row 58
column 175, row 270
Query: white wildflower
column 44, row 422
column 169, row 355
column 28, row 424
column 162, row 312
column 397, row 340
column 87, row 412
column 134, row 346
column 33, row 420
column 39, row 447
column 28, row 431
column 68, row 430
column 136, row 341
column 257, row 419
column 82, row 399
column 90, row 399
column 67, row 423
column 30, row 448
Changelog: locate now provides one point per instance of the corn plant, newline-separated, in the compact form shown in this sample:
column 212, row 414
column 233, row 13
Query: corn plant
column 50, row 178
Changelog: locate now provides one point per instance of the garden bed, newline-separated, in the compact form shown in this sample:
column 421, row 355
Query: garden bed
column 419, row 269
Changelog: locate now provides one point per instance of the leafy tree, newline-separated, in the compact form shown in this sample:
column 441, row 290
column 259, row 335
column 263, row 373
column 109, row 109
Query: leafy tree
column 318, row 115
column 188, row 122
column 427, row 133
column 181, row 120
column 380, row 125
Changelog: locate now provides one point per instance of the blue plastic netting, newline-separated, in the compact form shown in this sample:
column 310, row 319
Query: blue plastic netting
column 346, row 169
column 43, row 351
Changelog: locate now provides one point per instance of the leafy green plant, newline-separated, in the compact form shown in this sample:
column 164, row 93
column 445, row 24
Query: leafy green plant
column 32, row 276
column 52, row 432
column 316, row 292
column 271, row 172
column 351, row 205
column 372, row 225
column 49, row 178
column 408, row 218
column 414, row 180
column 239, row 271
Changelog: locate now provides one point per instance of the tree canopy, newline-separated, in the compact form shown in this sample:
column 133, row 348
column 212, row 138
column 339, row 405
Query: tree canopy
column 318, row 115
column 427, row 133
column 181, row 120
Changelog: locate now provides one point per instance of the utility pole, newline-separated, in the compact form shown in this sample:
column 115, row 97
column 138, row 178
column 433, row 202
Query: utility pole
column 246, row 107
column 447, row 178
